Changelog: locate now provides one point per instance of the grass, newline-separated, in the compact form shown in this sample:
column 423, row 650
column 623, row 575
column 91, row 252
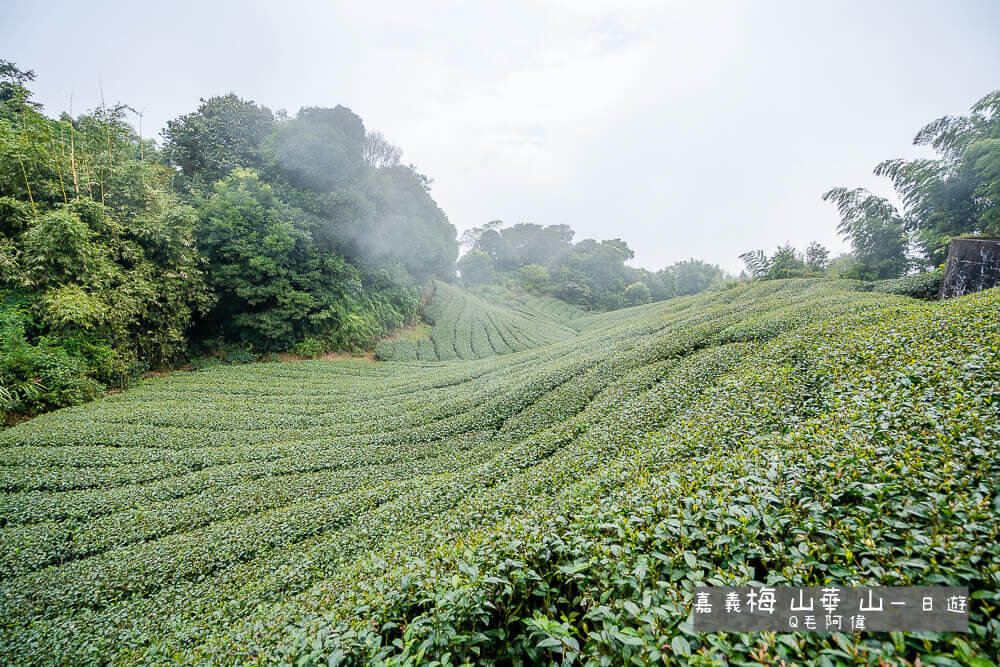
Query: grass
column 554, row 504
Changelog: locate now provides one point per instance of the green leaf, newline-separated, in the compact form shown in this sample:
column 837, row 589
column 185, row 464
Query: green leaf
column 680, row 646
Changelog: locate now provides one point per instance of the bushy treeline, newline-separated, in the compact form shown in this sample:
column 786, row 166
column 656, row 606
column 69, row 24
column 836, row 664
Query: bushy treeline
column 588, row 273
column 249, row 231
column 954, row 194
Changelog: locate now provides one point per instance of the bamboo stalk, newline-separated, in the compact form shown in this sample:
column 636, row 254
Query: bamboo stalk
column 72, row 159
column 59, row 166
column 107, row 132
column 90, row 190
column 27, row 185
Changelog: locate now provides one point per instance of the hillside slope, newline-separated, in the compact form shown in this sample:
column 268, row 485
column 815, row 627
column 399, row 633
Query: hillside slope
column 467, row 327
column 537, row 505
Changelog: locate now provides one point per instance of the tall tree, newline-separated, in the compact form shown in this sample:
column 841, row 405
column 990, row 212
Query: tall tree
column 877, row 232
column 274, row 286
column 320, row 149
column 225, row 132
column 957, row 193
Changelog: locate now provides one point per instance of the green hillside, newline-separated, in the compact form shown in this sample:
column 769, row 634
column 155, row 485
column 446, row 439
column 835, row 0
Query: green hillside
column 559, row 495
column 467, row 327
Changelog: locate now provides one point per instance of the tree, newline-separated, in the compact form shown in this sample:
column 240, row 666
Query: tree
column 475, row 267
column 225, row 132
column 321, row 149
column 470, row 237
column 786, row 263
column 662, row 284
column 957, row 193
column 405, row 227
column 378, row 153
column 876, row 230
column 693, row 276
column 534, row 277
column 273, row 285
column 525, row 243
column 636, row 294
column 757, row 263
column 817, row 257
column 99, row 275
column 600, row 266
column 15, row 97
column 360, row 233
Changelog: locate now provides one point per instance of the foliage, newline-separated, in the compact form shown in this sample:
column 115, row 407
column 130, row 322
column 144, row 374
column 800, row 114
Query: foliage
column 694, row 276
column 636, row 294
column 309, row 225
column 310, row 348
column 534, row 277
column 407, row 228
column 320, row 149
column 273, row 283
column 756, row 262
column 49, row 372
column 98, row 246
column 817, row 256
column 525, row 243
column 475, row 267
column 877, row 232
column 786, row 262
column 225, row 132
column 592, row 274
column 555, row 504
column 15, row 97
column 954, row 194
column 920, row 286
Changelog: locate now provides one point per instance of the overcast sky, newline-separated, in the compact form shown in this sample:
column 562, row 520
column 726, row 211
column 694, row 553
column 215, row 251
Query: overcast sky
column 698, row 129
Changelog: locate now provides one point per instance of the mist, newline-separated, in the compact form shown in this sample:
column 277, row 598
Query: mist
column 687, row 130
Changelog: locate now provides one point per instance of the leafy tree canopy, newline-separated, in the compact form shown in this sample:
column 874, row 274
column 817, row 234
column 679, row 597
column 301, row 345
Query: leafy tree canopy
column 954, row 194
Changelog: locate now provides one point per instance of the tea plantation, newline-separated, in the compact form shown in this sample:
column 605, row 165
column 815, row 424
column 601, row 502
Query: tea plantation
column 466, row 327
column 527, row 485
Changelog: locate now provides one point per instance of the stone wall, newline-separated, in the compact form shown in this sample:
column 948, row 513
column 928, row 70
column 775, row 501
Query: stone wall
column 973, row 266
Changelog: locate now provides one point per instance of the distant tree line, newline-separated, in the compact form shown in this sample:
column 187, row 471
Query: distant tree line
column 588, row 273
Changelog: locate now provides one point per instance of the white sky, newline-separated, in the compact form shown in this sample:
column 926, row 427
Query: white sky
column 698, row 129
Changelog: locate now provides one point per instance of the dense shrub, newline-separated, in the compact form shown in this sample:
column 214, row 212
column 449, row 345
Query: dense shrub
column 919, row 286
column 49, row 372
column 310, row 348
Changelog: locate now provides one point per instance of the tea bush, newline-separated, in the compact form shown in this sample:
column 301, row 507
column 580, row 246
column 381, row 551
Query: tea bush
column 551, row 505
column 919, row 286
column 467, row 327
